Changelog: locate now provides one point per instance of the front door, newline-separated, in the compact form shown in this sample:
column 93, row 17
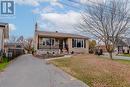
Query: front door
column 61, row 45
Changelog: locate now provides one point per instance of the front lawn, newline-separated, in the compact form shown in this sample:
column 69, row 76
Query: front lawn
column 95, row 71
column 3, row 64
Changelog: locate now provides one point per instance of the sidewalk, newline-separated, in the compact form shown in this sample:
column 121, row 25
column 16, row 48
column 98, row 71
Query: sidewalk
column 116, row 57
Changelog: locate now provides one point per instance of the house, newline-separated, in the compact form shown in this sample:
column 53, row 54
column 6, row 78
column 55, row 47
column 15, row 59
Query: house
column 14, row 49
column 103, row 47
column 124, row 46
column 56, row 42
column 4, row 35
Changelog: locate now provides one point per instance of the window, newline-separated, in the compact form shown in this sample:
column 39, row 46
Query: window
column 78, row 43
column 48, row 41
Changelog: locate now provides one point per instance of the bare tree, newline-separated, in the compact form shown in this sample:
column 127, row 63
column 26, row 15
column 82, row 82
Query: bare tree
column 28, row 45
column 107, row 21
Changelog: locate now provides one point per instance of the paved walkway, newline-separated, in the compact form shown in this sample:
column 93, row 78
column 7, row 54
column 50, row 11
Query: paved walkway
column 28, row 71
column 117, row 57
column 122, row 57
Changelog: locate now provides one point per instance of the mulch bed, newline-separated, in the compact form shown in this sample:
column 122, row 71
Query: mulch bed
column 46, row 56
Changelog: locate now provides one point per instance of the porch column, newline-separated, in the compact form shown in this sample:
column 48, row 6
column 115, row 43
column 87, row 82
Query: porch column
column 87, row 46
column 69, row 42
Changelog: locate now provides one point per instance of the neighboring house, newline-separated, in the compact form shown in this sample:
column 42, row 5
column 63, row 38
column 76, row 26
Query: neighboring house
column 15, row 45
column 103, row 47
column 13, row 49
column 55, row 42
column 124, row 46
column 4, row 35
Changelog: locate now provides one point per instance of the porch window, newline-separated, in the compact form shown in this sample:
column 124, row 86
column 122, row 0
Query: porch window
column 48, row 41
column 78, row 43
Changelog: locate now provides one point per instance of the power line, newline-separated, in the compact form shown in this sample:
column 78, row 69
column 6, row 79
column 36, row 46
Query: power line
column 77, row 2
column 87, row 5
column 72, row 6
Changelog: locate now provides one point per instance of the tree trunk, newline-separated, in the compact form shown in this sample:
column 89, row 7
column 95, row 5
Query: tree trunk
column 110, row 54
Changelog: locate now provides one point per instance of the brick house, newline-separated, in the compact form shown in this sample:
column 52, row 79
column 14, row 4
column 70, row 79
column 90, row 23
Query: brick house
column 56, row 42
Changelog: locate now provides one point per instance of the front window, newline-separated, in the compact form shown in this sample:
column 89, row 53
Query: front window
column 78, row 43
column 48, row 41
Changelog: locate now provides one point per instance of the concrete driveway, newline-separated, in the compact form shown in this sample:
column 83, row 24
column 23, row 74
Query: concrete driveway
column 28, row 71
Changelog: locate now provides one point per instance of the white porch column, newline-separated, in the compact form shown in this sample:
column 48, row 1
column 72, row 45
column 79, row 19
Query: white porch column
column 69, row 42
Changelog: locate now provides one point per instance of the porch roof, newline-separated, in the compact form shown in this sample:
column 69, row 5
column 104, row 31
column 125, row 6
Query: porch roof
column 60, row 35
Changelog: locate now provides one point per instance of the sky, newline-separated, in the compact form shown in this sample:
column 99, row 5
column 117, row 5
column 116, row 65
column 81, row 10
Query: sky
column 51, row 15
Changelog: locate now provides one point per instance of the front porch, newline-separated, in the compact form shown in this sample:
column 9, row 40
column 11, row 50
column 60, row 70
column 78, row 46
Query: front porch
column 53, row 45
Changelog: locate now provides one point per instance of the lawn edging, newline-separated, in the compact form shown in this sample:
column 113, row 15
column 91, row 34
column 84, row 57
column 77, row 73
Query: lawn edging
column 61, row 70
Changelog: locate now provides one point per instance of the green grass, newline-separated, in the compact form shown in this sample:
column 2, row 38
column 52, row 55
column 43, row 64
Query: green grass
column 4, row 64
column 126, row 55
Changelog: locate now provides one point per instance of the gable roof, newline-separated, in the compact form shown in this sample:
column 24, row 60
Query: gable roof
column 61, row 35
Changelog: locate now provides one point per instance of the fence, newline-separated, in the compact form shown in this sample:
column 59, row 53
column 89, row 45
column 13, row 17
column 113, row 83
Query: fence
column 13, row 53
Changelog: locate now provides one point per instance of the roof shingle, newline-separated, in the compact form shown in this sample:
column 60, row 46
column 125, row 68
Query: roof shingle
column 57, row 34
